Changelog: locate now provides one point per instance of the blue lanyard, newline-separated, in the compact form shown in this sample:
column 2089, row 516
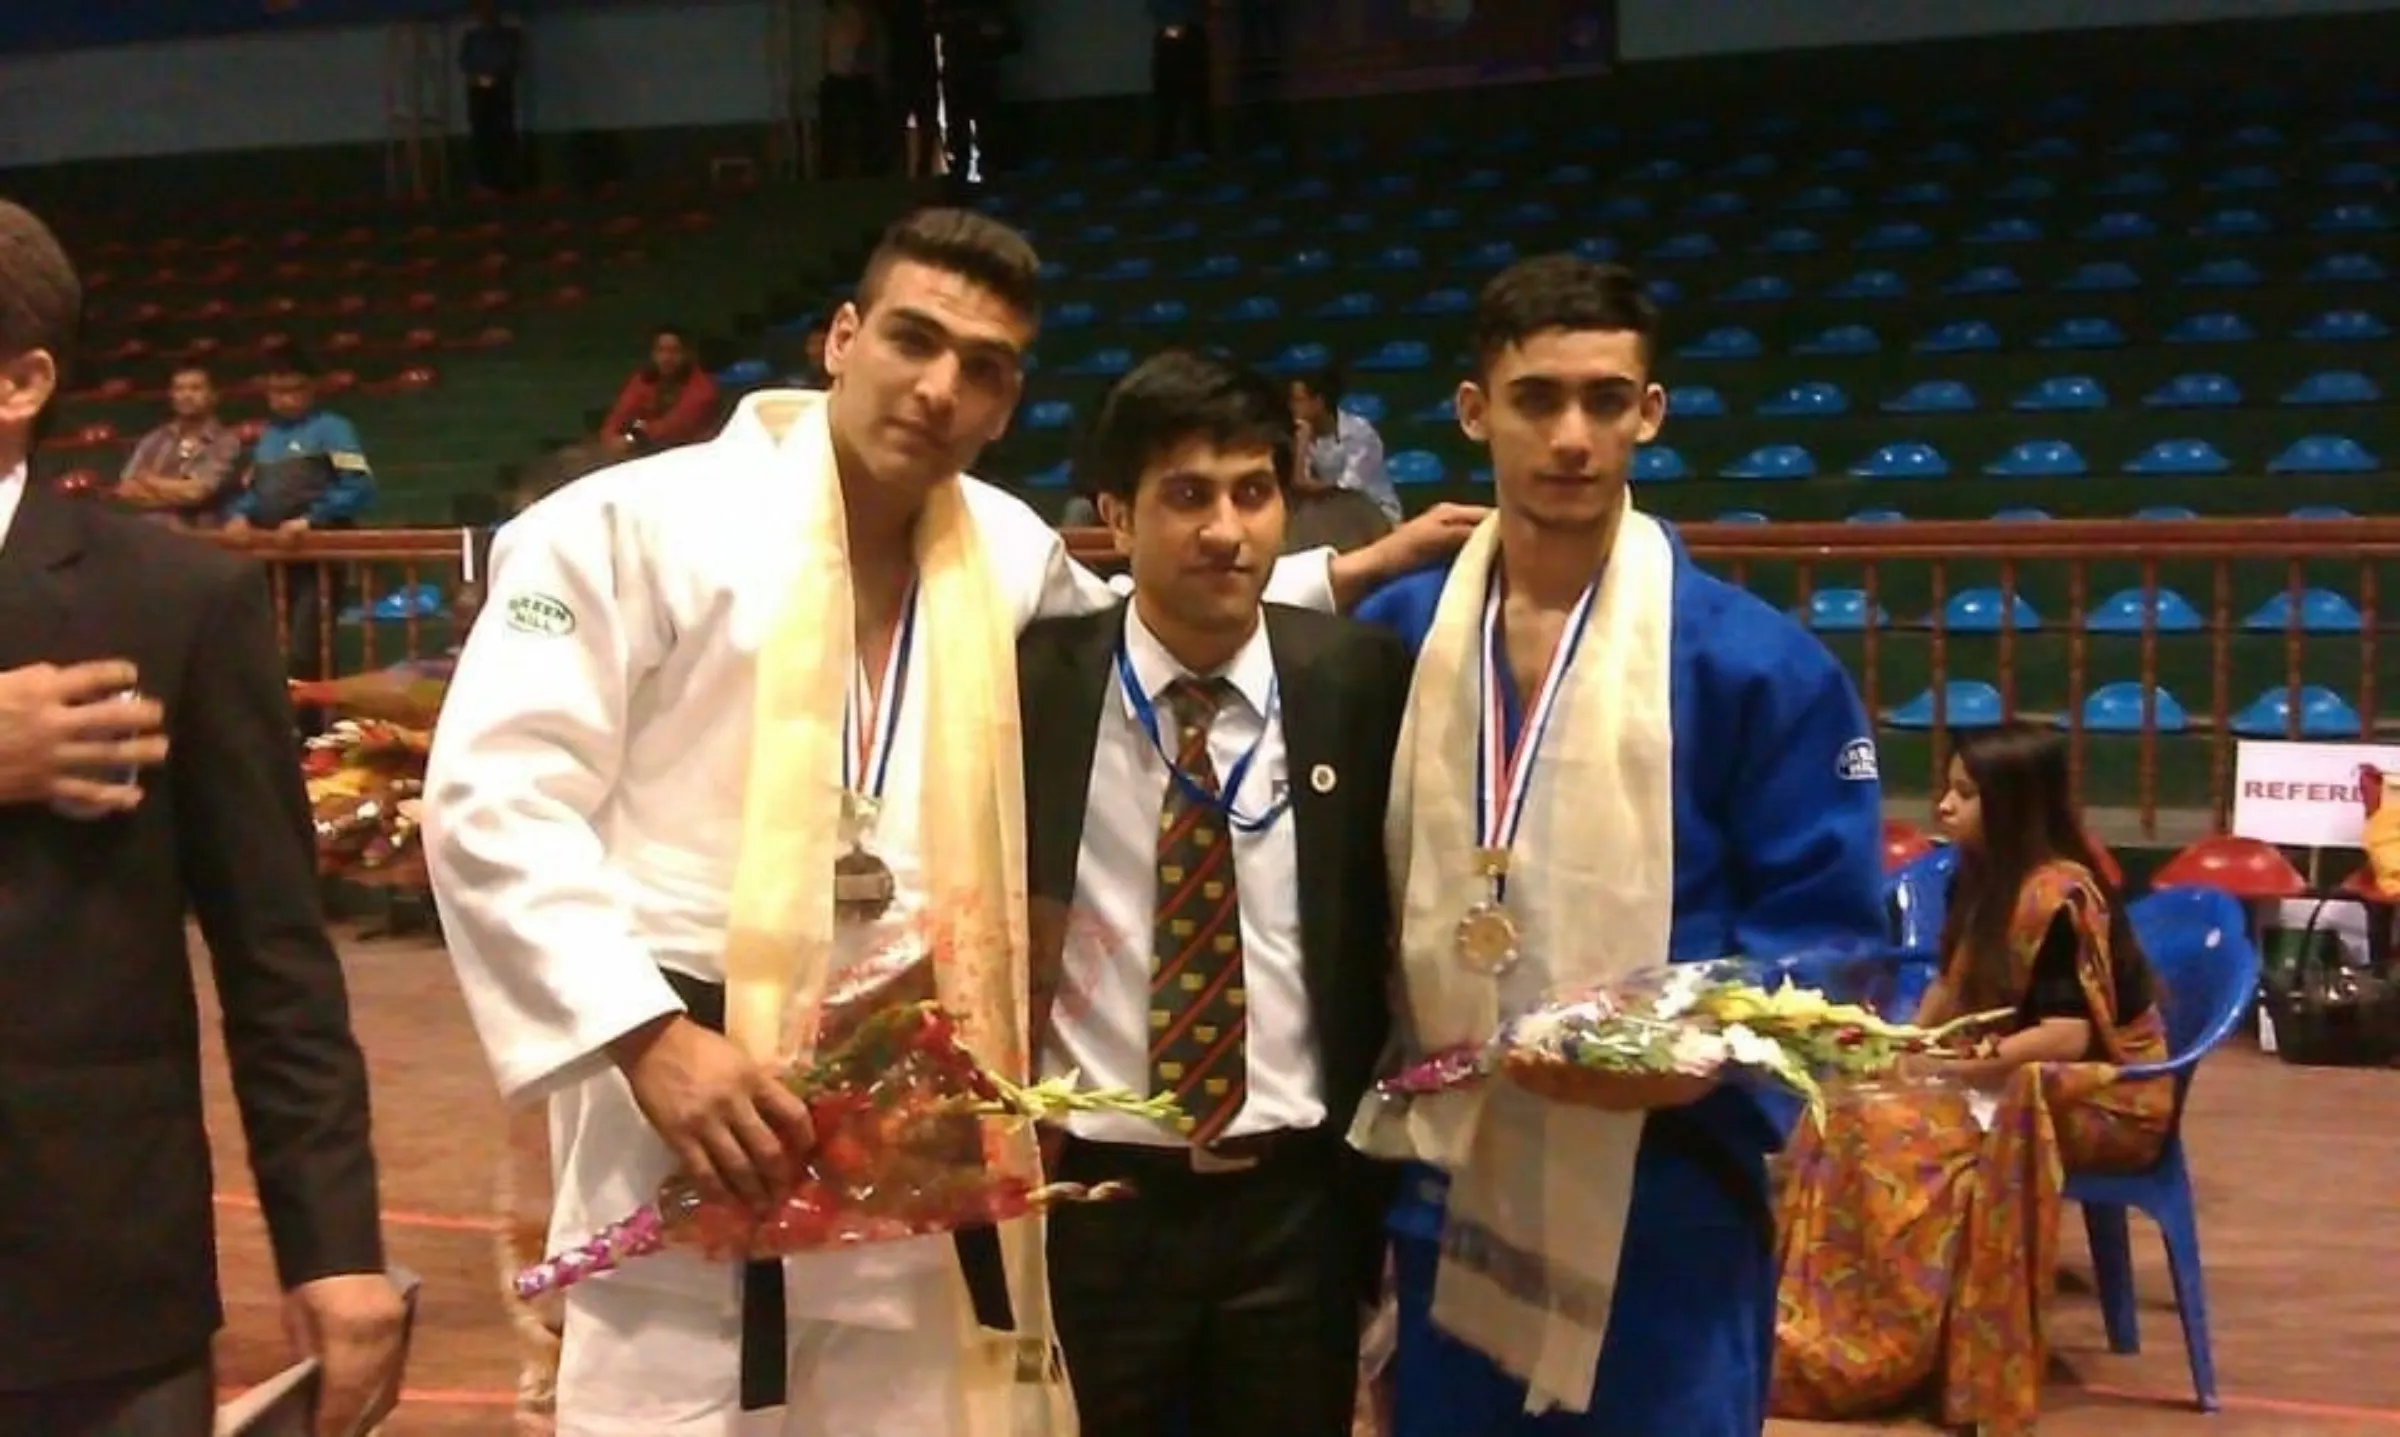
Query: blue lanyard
column 1504, row 770
column 1222, row 800
column 872, row 725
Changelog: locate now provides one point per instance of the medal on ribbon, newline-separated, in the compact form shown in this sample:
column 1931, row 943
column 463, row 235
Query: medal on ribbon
column 863, row 886
column 1486, row 936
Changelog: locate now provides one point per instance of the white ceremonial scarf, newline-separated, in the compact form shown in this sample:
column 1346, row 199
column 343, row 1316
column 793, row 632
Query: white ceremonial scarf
column 1539, row 1191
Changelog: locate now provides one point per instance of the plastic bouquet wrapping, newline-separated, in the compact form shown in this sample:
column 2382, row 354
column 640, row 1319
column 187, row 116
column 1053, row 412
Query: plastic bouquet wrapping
column 365, row 774
column 1663, row 1033
column 900, row 1109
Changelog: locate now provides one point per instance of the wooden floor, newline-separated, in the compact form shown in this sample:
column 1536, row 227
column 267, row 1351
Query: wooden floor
column 2300, row 1210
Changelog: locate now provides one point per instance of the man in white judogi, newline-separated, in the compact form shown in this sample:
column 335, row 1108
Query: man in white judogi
column 585, row 814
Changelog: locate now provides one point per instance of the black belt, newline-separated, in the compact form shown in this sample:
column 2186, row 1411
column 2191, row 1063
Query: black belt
column 766, row 1376
column 1157, row 1162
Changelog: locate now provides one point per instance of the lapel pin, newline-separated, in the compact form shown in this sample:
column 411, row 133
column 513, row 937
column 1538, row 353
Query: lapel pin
column 1321, row 778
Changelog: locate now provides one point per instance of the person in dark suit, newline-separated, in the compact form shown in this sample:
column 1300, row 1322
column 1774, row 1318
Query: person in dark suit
column 1205, row 786
column 107, row 1254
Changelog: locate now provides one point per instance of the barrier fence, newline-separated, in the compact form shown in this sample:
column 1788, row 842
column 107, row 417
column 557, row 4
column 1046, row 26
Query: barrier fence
column 2155, row 645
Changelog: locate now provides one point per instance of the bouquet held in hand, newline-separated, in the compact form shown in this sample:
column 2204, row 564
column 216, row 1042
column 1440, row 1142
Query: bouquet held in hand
column 900, row 1109
column 1664, row 1034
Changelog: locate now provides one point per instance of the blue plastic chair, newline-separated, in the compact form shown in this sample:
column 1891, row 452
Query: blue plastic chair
column 1160, row 311
column 2323, row 715
column 2324, row 454
column 2198, row 944
column 1695, row 401
column 1986, row 279
column 1960, row 337
column 1790, row 239
column 2101, row 275
column 1414, row 466
column 1653, row 463
column 1815, row 399
column 2343, row 326
column 2322, row 611
column 1978, row 611
column 2038, row 458
column 1441, row 302
column 2235, row 273
column 2087, row 332
column 2237, row 220
column 1214, row 266
column 1252, row 309
column 1724, row 342
column 1300, row 358
column 1904, row 460
column 1050, row 414
column 2121, row 612
column 1757, row 289
column 2348, row 268
column 1932, row 396
column 1878, row 515
column 1357, row 304
column 2214, row 327
column 2117, row 708
column 1967, row 703
column 1100, row 364
column 1369, row 407
column 2062, row 393
column 2179, row 456
column 1870, row 284
column 1919, row 897
column 1397, row 354
column 1772, row 461
column 2195, row 391
column 1841, row 611
column 1841, row 339
column 2333, row 386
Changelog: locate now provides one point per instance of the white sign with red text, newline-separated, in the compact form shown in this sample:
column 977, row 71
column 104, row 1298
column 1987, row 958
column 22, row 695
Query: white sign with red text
column 2309, row 794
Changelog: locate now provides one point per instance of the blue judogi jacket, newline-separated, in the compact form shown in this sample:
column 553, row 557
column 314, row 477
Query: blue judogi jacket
column 1778, row 850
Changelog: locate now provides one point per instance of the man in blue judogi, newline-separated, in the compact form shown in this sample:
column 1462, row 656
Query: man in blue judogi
column 1612, row 759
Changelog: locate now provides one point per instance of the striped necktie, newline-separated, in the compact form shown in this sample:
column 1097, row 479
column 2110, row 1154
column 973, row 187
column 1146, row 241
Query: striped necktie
column 1198, row 1020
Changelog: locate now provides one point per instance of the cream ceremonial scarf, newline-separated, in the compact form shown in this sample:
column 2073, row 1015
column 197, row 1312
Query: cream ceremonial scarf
column 1539, row 1191
column 970, row 827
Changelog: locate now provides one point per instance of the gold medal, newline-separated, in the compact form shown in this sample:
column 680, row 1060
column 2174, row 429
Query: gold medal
column 1487, row 939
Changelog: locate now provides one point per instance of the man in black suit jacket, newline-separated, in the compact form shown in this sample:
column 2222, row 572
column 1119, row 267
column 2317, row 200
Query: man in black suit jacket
column 108, row 1295
column 1205, row 785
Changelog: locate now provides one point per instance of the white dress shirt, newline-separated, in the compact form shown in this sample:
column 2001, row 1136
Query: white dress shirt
column 12, row 493
column 1101, row 1021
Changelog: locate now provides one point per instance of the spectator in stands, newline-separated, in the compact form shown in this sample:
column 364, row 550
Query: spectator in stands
column 1179, row 79
column 308, row 470
column 1344, row 451
column 914, row 82
column 180, row 470
column 668, row 402
column 849, row 142
column 974, row 36
column 492, row 55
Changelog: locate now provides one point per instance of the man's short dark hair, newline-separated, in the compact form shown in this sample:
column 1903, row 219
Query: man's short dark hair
column 965, row 243
column 41, row 300
column 1559, row 291
column 1327, row 382
column 1172, row 398
column 207, row 375
column 292, row 359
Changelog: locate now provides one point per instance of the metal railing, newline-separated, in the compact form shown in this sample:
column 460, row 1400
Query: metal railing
column 1904, row 576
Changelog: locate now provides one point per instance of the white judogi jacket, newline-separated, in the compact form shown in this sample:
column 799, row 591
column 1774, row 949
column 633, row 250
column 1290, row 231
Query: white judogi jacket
column 583, row 801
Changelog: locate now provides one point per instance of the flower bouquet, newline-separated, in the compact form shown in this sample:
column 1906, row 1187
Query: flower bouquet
column 1664, row 1035
column 900, row 1109
column 364, row 780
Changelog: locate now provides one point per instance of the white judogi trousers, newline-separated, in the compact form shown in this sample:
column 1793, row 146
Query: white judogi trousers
column 641, row 1363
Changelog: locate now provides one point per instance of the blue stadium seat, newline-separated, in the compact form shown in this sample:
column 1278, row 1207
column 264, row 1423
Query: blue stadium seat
column 1065, row 200
column 2322, row 611
column 2234, row 273
column 1357, row 304
column 745, row 374
column 1126, row 269
column 1252, row 309
column 1790, row 239
column 1818, row 199
column 1839, row 340
column 1692, row 244
column 2024, row 189
column 1215, row 266
column 2343, row 326
column 2242, row 179
column 1756, row 289
column 2010, row 229
column 1878, row 515
column 1568, row 174
column 1918, row 192
column 2213, row 327
column 1051, row 271
column 1772, row 461
column 1724, row 342
column 2048, row 147
column 1848, row 160
column 1491, row 254
column 1663, row 169
column 2323, row 715
column 2179, row 456
column 1160, row 311
column 2099, row 276
column 1986, row 279
column 1305, row 189
column 1147, row 197
column 1654, row 463
column 2232, row 221
column 2254, row 137
column 1074, row 314
column 1840, row 611
column 1440, row 302
column 2320, row 512
column 1742, row 516
column 1369, row 407
column 1050, row 414
column 1384, row 187
column 1622, row 209
column 2119, row 225
column 2062, row 393
column 2083, row 332
column 1530, row 212
column 1100, row 364
column 1906, row 459
column 1396, row 256
column 1435, row 411
column 1481, row 178
column 2324, row 454
column 1960, row 336
column 1815, row 399
column 1174, row 232
column 2334, row 386
column 2145, row 144
column 1870, row 284
column 2195, row 391
column 1966, row 703
column 2020, row 514
column 1300, row 358
column 1262, row 226
column 1716, row 204
column 1440, row 217
column 1979, row 611
column 1756, row 165
column 2355, row 218
column 2117, row 708
column 2361, row 132
column 1599, row 249
column 1932, row 396
column 2129, row 184
column 1662, row 292
column 1414, row 466
column 1695, row 401
column 2357, row 175
column 1226, row 192
column 1057, row 476
column 1896, row 234
column 2166, row 513
column 2038, row 458
column 1307, row 261
column 2121, row 612
column 1397, row 354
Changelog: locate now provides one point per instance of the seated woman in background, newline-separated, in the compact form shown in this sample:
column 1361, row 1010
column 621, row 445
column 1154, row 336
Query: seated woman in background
column 1919, row 1229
